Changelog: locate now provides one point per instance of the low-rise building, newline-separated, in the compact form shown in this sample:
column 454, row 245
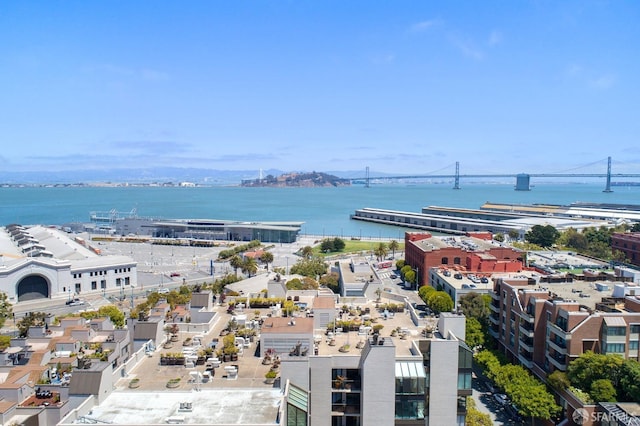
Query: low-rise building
column 44, row 263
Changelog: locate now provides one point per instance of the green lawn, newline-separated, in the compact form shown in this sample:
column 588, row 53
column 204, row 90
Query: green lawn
column 355, row 246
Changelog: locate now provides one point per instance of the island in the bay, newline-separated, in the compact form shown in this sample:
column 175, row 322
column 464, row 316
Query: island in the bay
column 299, row 179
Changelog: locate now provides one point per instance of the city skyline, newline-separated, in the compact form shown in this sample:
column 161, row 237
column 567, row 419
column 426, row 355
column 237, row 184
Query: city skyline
column 401, row 88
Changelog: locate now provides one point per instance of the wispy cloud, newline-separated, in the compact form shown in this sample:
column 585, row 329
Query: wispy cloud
column 424, row 25
column 146, row 74
column 152, row 147
column 590, row 78
column 495, row 38
column 385, row 58
column 467, row 48
column 602, row 82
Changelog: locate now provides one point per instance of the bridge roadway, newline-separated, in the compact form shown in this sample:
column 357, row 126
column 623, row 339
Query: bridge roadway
column 504, row 175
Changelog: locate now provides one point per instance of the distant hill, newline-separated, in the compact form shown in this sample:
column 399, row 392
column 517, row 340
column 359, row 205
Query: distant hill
column 165, row 175
column 298, row 179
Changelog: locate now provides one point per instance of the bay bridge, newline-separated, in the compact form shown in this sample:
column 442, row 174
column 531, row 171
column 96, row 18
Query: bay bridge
column 523, row 180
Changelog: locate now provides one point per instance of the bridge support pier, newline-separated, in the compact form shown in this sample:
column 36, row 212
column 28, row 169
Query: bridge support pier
column 522, row 182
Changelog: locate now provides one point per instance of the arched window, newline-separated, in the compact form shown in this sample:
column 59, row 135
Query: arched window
column 456, row 260
column 445, row 261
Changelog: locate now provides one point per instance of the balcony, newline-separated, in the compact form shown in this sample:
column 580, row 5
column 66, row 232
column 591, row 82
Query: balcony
column 558, row 345
column 558, row 361
column 494, row 333
column 526, row 344
column 558, row 331
column 526, row 361
column 525, row 331
column 495, row 296
column 528, row 318
column 495, row 307
column 494, row 319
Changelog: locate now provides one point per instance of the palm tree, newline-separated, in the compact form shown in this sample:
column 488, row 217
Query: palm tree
column 393, row 246
column 381, row 251
column 267, row 257
column 307, row 252
column 235, row 262
column 249, row 266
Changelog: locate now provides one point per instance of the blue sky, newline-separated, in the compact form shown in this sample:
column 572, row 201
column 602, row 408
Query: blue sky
column 399, row 86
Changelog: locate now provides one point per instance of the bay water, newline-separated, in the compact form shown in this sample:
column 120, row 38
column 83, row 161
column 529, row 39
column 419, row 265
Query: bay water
column 324, row 211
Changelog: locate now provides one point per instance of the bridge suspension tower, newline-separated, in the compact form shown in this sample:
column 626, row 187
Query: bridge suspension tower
column 456, row 184
column 608, row 185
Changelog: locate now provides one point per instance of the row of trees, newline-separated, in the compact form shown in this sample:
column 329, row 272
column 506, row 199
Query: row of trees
column 529, row 395
column 595, row 242
column 248, row 265
column 226, row 254
column 437, row 301
column 603, row 377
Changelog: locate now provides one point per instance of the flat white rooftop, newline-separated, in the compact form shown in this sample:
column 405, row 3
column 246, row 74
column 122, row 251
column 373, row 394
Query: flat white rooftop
column 209, row 407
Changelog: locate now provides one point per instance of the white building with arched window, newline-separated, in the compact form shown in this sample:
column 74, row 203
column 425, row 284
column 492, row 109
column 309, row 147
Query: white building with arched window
column 40, row 262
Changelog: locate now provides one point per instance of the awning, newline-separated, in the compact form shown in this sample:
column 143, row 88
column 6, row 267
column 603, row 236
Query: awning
column 410, row 369
column 615, row 321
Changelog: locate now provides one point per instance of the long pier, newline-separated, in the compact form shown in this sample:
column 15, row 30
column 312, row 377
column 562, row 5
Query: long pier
column 523, row 180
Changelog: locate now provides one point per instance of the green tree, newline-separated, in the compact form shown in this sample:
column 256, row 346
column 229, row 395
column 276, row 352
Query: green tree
column 236, row 263
column 558, row 381
column 327, row 246
column 5, row 309
column 307, row 252
column 474, row 416
column 400, row 264
column 5, row 342
column 590, row 366
column 424, row 292
column 410, row 276
column 635, row 227
column 440, row 301
column 381, row 251
column 630, row 380
column 602, row 390
column 513, row 234
column 542, row 235
column 535, row 402
column 474, row 305
column 115, row 315
column 339, row 244
column 499, row 237
column 393, row 246
column 331, row 281
column 474, row 333
column 31, row 319
column 249, row 266
column 267, row 258
column 311, row 267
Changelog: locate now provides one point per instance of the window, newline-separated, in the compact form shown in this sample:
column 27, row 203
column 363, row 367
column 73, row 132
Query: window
column 464, row 381
column 444, row 261
column 94, row 285
column 616, row 331
column 635, row 328
column 118, row 282
column 78, row 287
column 456, row 260
column 126, row 281
column 633, row 345
column 295, row 416
column 103, row 283
column 614, row 348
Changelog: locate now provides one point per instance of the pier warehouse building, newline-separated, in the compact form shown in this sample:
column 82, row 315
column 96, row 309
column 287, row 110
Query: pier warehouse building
column 40, row 262
column 193, row 229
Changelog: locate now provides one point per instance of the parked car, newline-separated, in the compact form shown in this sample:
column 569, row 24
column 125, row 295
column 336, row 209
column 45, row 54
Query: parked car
column 75, row 302
column 163, row 290
column 393, row 276
column 501, row 398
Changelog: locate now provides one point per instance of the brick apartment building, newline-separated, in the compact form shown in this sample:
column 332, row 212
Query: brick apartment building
column 629, row 244
column 423, row 251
